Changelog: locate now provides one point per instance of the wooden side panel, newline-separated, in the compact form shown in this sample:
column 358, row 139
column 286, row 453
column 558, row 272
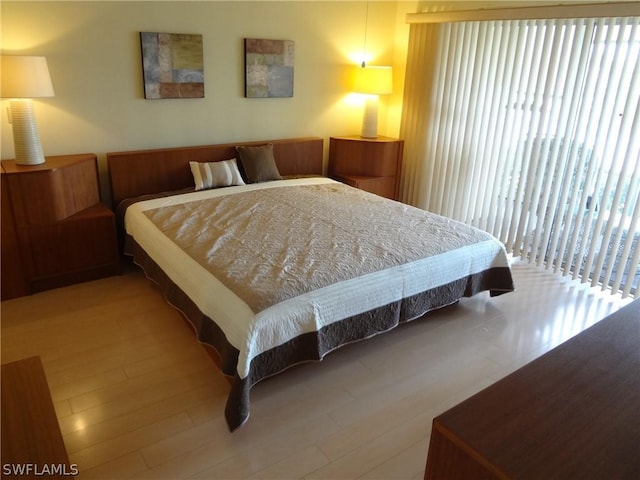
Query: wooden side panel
column 14, row 280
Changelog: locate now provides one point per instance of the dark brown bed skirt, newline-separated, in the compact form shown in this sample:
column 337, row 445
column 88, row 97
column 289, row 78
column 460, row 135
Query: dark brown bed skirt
column 311, row 346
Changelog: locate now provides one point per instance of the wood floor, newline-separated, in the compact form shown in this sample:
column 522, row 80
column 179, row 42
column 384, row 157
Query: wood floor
column 137, row 397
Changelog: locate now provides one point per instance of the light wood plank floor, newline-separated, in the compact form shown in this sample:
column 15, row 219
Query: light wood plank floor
column 137, row 397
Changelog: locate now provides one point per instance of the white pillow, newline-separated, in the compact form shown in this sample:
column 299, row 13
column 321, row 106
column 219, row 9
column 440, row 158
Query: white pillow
column 216, row 174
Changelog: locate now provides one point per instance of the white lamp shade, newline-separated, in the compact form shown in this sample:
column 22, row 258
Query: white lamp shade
column 25, row 77
column 373, row 80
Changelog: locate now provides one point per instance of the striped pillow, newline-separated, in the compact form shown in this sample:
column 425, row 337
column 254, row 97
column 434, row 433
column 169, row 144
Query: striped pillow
column 216, row 174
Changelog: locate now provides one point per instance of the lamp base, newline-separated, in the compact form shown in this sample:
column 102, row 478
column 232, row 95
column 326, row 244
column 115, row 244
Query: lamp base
column 370, row 118
column 26, row 139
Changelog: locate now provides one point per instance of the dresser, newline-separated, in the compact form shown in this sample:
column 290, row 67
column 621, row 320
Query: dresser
column 572, row 413
column 32, row 443
column 55, row 230
column 371, row 164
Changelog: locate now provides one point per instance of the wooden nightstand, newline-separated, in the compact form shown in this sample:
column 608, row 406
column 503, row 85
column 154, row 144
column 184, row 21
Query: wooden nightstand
column 371, row 164
column 55, row 231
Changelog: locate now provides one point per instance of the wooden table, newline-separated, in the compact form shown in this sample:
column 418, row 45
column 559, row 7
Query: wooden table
column 31, row 440
column 573, row 413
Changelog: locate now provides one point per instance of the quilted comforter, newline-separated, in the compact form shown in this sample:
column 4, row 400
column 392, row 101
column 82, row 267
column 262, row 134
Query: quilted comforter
column 283, row 272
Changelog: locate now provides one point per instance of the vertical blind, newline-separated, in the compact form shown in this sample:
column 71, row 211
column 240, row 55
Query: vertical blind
column 530, row 130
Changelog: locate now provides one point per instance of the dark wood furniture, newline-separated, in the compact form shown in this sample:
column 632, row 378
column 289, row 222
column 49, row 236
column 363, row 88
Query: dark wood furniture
column 136, row 173
column 14, row 278
column 573, row 413
column 55, row 231
column 31, row 437
column 366, row 163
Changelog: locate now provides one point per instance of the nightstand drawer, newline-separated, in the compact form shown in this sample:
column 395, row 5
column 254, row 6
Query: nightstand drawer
column 80, row 248
column 383, row 186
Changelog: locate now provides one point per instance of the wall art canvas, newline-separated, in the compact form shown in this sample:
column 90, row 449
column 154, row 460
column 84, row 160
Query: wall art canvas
column 172, row 65
column 268, row 68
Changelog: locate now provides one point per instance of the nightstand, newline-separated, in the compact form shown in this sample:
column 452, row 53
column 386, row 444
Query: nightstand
column 55, row 231
column 371, row 164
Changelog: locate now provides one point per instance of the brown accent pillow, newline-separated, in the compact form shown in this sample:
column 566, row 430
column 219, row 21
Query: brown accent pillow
column 258, row 163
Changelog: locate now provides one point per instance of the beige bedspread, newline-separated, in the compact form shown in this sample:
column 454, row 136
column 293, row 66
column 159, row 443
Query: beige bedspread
column 271, row 245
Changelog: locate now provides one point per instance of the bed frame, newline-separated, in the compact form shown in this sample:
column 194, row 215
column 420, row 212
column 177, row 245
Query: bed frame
column 147, row 172
column 141, row 172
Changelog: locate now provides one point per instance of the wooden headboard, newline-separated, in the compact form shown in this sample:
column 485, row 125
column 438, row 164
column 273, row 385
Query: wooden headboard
column 141, row 172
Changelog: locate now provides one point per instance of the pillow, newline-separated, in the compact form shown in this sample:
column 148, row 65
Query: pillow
column 258, row 163
column 216, row 174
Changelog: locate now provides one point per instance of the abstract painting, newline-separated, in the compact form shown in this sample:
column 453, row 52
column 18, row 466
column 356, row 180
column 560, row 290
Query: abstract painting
column 172, row 65
column 268, row 68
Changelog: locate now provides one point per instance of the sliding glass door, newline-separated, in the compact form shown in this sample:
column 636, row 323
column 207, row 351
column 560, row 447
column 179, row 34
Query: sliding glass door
column 530, row 129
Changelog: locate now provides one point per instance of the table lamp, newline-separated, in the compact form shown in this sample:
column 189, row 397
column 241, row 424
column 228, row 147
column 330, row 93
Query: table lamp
column 372, row 81
column 24, row 78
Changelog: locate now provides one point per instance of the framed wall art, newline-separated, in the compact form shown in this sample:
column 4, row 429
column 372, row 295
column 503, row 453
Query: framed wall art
column 172, row 65
column 268, row 68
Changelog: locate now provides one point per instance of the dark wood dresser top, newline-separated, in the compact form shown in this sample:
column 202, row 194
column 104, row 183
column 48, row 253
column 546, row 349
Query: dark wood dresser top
column 573, row 413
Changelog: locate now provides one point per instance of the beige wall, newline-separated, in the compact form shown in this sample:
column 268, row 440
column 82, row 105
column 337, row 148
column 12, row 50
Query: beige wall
column 93, row 52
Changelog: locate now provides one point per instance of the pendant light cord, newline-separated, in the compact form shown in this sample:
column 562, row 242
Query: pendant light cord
column 364, row 45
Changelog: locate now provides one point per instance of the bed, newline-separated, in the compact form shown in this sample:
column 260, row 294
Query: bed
column 274, row 265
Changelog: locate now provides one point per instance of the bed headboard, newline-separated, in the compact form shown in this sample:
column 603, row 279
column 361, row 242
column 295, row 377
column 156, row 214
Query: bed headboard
column 141, row 172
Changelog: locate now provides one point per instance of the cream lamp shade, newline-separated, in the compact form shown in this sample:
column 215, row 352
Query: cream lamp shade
column 24, row 78
column 372, row 81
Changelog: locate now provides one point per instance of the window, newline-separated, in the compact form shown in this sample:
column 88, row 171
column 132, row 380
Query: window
column 530, row 129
